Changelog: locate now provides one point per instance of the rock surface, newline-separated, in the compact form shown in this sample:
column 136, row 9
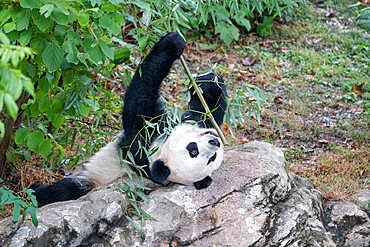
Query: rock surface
column 253, row 201
column 348, row 224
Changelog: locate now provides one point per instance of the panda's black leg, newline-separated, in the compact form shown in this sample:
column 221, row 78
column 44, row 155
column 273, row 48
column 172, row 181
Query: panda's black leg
column 204, row 183
column 215, row 94
column 159, row 172
column 142, row 99
column 142, row 95
column 62, row 190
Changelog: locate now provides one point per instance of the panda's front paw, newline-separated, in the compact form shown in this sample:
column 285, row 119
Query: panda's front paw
column 213, row 88
column 204, row 183
column 172, row 42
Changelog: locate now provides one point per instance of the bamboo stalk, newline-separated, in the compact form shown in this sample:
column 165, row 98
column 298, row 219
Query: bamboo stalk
column 197, row 90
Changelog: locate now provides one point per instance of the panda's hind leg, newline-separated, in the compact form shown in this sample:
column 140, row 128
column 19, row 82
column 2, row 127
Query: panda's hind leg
column 70, row 188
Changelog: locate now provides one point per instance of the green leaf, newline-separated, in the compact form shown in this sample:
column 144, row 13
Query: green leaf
column 84, row 109
column 59, row 17
column 365, row 16
column 4, row 39
column 22, row 20
column 227, row 32
column 16, row 210
column 81, row 56
column 142, row 4
column 364, row 24
column 62, row 9
column 41, row 22
column 34, row 140
column 30, row 4
column 143, row 42
column 133, row 223
column 46, row 10
column 8, row 27
column 221, row 13
column 11, row 105
column 243, row 22
column 105, row 21
column 45, row 148
column 2, row 129
column 72, row 58
column 106, row 50
column 61, row 149
column 38, row 44
column 5, row 15
column 52, row 56
column 28, row 86
column 122, row 55
column 25, row 37
column 93, row 50
column 60, row 30
column 21, row 135
column 265, row 28
column 83, row 18
column 44, row 104
column 96, row 2
column 1, row 100
column 44, row 84
column 35, row 112
column 108, row 7
column 70, row 47
column 32, row 211
column 109, row 23
column 58, row 120
column 31, row 70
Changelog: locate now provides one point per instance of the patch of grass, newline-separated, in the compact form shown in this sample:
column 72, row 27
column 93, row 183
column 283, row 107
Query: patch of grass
column 340, row 173
column 295, row 153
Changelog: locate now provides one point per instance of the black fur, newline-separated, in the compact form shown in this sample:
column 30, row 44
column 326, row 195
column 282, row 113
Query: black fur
column 204, row 183
column 215, row 95
column 159, row 172
column 142, row 101
column 63, row 190
column 192, row 147
column 142, row 96
column 212, row 159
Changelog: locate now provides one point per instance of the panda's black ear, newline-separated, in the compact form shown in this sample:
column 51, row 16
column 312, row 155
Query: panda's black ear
column 159, row 172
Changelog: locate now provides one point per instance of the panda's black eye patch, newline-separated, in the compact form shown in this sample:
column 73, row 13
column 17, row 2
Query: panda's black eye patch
column 212, row 159
column 192, row 147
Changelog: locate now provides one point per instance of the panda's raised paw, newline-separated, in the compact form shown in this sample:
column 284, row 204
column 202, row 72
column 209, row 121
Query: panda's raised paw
column 172, row 42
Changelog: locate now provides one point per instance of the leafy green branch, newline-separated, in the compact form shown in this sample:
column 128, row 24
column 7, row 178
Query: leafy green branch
column 27, row 204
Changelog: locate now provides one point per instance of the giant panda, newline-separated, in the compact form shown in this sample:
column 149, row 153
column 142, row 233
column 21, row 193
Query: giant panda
column 188, row 155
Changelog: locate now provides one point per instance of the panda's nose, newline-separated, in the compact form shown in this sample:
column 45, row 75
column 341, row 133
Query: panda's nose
column 214, row 142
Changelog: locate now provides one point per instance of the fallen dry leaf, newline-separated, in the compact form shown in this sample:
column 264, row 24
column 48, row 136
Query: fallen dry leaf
column 250, row 60
column 358, row 88
column 278, row 99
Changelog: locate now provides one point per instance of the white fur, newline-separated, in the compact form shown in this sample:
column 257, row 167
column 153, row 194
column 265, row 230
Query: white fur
column 104, row 167
column 184, row 169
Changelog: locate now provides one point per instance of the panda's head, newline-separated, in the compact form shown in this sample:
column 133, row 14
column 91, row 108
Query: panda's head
column 190, row 153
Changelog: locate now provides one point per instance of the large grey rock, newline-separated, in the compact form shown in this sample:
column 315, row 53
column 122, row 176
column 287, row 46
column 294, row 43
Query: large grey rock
column 348, row 224
column 66, row 223
column 253, row 201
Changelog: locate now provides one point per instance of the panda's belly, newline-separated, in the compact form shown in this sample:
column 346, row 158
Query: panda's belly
column 104, row 167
